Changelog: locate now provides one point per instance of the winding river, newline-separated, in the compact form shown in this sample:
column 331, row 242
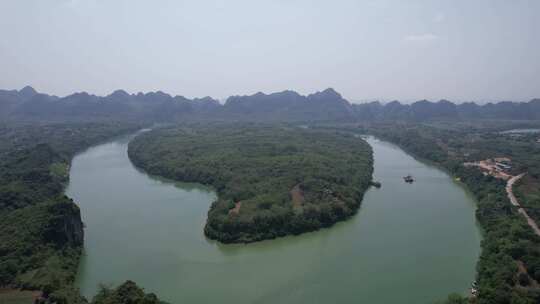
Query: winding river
column 409, row 243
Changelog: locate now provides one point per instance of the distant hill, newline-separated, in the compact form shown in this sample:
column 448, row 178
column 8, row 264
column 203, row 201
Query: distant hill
column 328, row 105
column 154, row 106
column 445, row 110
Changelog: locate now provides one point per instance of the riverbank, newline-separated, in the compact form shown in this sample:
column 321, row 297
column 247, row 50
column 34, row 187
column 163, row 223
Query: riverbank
column 41, row 232
column 508, row 240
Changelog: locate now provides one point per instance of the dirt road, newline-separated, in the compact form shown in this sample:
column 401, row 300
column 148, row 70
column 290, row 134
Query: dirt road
column 515, row 202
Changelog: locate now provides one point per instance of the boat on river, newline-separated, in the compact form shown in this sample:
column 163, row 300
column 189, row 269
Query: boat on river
column 408, row 179
column 474, row 289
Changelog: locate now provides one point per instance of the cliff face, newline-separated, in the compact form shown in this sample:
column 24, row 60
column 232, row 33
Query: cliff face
column 65, row 228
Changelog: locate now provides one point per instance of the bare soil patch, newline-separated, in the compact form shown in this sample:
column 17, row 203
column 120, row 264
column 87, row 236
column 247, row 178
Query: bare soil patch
column 236, row 208
column 521, row 269
column 16, row 296
column 297, row 196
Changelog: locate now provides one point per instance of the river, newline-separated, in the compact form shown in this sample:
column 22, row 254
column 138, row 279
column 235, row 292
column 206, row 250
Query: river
column 409, row 243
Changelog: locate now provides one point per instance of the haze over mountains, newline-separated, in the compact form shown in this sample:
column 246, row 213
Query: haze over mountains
column 328, row 105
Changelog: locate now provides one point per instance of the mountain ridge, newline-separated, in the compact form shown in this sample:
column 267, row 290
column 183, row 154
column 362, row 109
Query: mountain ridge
column 327, row 105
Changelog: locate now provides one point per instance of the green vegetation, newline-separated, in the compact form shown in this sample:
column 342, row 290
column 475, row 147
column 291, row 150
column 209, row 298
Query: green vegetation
column 509, row 265
column 41, row 232
column 455, row 299
column 272, row 181
column 127, row 293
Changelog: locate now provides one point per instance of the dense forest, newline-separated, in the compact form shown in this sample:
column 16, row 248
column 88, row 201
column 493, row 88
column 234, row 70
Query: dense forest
column 41, row 232
column 509, row 265
column 126, row 293
column 271, row 180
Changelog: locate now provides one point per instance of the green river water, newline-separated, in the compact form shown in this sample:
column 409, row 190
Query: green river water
column 409, row 243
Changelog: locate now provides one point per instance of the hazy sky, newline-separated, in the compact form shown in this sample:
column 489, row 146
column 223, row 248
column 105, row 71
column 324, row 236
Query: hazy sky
column 407, row 50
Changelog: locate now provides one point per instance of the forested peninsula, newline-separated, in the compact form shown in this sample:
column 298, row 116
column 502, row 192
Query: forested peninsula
column 271, row 181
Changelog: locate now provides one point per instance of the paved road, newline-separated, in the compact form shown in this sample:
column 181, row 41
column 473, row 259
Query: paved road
column 515, row 202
